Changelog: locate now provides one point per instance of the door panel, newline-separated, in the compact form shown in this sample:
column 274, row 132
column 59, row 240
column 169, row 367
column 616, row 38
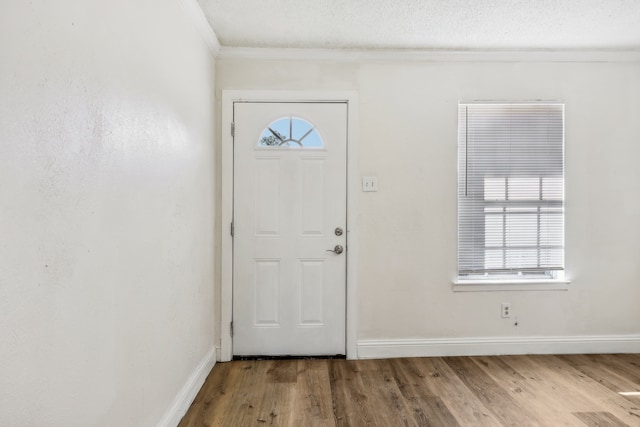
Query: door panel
column 288, row 289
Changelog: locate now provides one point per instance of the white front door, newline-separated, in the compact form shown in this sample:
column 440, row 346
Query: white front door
column 289, row 214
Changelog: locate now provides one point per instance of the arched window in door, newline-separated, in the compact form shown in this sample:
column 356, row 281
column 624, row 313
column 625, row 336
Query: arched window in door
column 290, row 132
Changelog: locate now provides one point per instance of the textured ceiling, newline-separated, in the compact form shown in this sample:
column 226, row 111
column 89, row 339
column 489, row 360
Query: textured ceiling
column 426, row 24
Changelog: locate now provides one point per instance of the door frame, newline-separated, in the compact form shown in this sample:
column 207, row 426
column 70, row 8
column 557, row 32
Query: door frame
column 229, row 97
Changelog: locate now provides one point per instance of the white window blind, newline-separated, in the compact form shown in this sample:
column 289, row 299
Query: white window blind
column 510, row 189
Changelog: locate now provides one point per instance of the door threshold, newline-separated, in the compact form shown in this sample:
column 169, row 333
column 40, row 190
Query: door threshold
column 289, row 357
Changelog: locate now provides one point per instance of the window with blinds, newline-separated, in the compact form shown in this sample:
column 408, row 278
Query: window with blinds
column 510, row 190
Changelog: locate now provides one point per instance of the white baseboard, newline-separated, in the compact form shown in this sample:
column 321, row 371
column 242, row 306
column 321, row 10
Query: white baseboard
column 188, row 393
column 381, row 349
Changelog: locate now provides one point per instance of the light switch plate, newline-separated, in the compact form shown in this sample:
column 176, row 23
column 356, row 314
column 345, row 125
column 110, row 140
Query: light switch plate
column 369, row 183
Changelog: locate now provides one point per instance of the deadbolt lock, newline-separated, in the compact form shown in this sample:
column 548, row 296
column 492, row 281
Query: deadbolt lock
column 338, row 231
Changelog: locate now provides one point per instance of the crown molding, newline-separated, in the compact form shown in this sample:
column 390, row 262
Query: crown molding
column 194, row 12
column 426, row 55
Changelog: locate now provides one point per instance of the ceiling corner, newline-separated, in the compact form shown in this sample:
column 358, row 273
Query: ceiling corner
column 194, row 12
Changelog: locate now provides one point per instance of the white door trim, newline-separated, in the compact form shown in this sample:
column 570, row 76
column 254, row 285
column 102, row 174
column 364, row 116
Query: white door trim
column 226, row 262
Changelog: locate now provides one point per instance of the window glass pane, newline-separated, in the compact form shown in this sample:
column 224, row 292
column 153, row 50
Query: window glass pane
column 522, row 230
column 299, row 127
column 552, row 188
column 524, row 188
column 312, row 140
column 281, row 127
column 271, row 139
column 494, row 230
column 521, row 258
column 494, row 258
column 494, row 189
column 551, row 230
column 552, row 257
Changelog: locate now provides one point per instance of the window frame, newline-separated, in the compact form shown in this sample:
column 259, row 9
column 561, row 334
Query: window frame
column 511, row 278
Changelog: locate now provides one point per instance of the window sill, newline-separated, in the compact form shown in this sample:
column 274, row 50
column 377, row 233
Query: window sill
column 510, row 285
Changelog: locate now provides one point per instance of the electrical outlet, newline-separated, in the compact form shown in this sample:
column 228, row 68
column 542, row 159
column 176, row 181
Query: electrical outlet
column 505, row 309
column 369, row 183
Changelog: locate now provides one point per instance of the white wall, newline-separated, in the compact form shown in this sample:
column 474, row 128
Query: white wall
column 407, row 230
column 106, row 210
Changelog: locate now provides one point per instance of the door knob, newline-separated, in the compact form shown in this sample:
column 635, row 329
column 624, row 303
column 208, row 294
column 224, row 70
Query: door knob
column 337, row 250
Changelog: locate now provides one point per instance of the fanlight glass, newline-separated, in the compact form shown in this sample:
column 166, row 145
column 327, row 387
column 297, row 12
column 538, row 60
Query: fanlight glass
column 290, row 132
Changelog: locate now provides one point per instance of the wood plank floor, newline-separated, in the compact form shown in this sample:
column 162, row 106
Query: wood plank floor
column 574, row 390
